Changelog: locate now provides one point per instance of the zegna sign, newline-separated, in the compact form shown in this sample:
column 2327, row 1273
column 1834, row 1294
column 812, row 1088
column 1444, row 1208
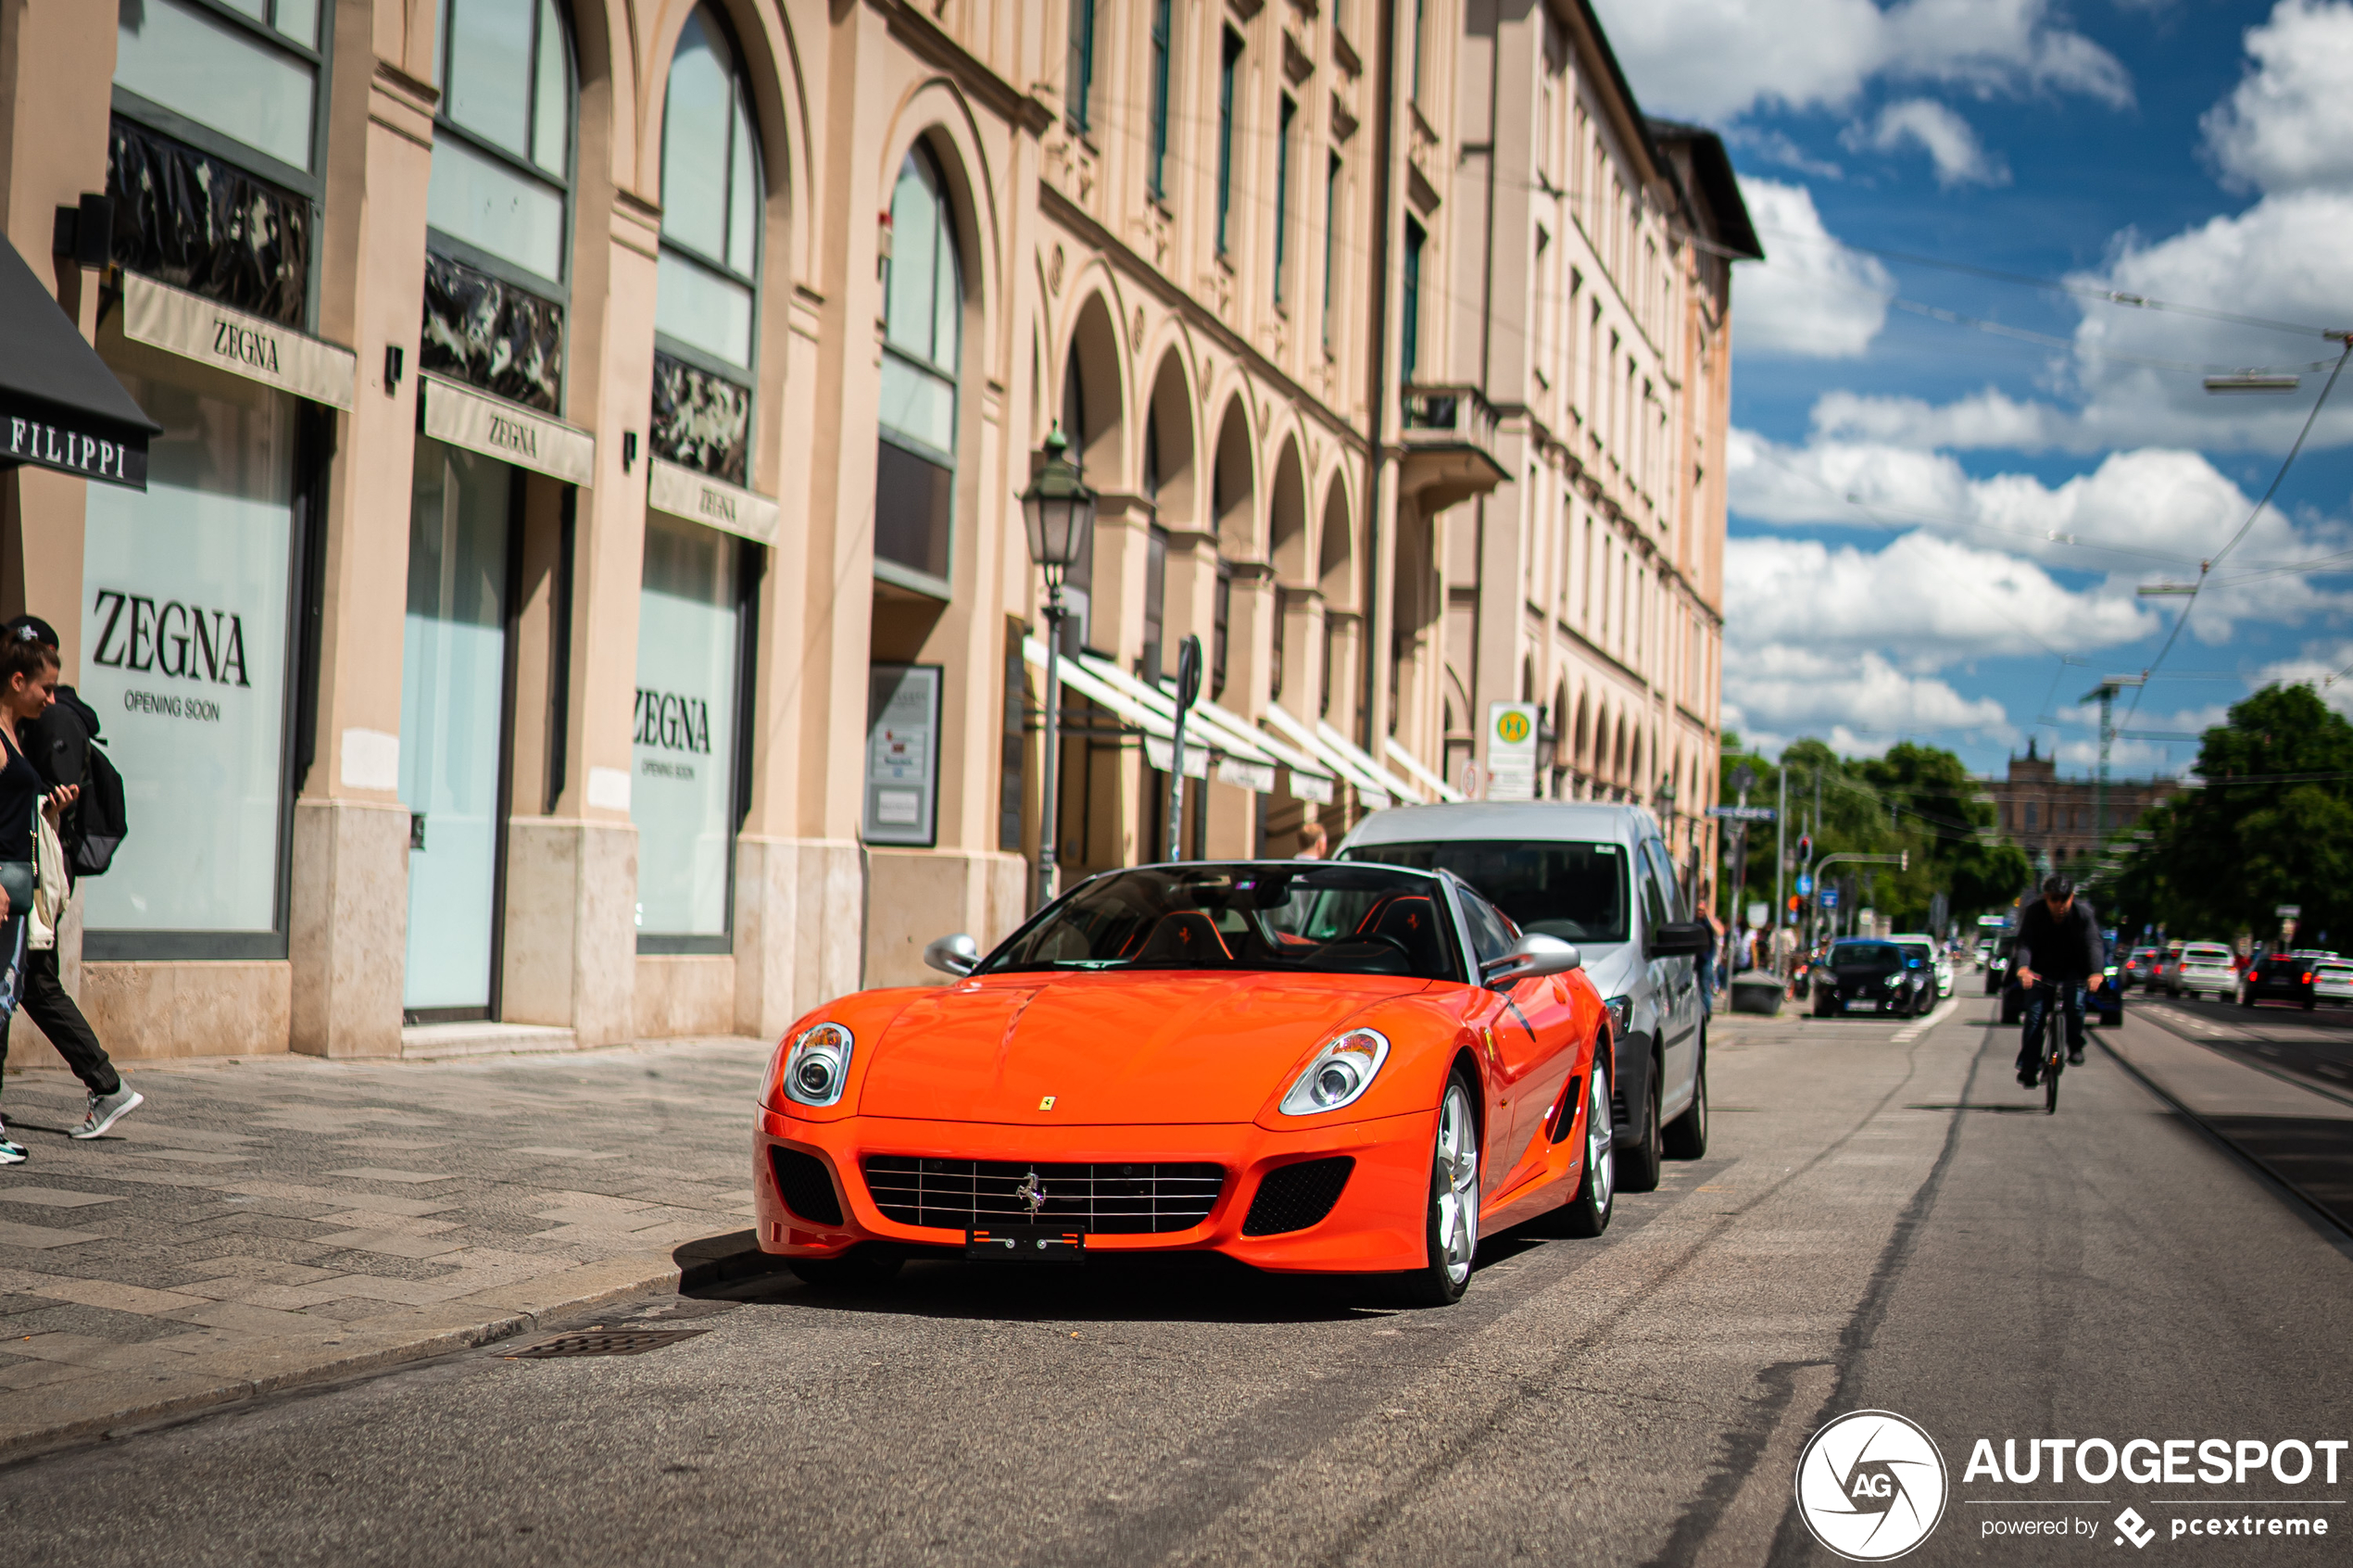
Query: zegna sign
column 683, row 492
column 497, row 428
column 252, row 346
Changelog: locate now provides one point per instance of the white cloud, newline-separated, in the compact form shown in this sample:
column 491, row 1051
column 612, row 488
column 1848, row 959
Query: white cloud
column 1774, row 147
column 1952, row 147
column 1776, row 691
column 1926, row 602
column 2323, row 666
column 1717, row 59
column 1813, row 298
column 2141, row 516
column 2290, row 123
column 1987, row 418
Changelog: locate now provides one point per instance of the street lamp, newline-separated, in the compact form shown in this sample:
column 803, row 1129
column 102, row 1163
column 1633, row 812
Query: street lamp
column 1058, row 513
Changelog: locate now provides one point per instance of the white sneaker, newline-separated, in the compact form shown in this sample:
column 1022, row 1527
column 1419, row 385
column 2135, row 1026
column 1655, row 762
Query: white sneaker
column 11, row 1152
column 107, row 1110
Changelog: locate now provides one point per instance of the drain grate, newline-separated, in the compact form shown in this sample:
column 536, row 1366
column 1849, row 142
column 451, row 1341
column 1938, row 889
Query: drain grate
column 604, row 1342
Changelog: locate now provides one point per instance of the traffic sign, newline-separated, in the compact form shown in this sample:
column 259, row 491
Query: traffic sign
column 1830, row 897
column 2289, row 911
column 1743, row 813
column 1804, row 886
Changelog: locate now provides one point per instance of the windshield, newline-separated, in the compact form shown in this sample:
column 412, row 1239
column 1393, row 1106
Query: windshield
column 1285, row 916
column 1574, row 891
column 1867, row 955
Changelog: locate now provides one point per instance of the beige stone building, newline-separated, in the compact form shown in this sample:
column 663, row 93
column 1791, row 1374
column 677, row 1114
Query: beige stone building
column 578, row 588
column 2063, row 824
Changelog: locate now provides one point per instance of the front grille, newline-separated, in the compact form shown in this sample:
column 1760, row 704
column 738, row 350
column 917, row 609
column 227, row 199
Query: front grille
column 804, row 1184
column 1107, row 1200
column 1295, row 1196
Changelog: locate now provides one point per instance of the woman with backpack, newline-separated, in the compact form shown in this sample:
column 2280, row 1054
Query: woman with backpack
column 32, row 901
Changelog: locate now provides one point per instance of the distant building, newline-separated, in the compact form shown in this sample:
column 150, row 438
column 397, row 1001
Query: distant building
column 2052, row 819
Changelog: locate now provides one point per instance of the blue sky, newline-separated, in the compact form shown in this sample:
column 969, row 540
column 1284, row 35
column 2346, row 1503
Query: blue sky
column 1938, row 527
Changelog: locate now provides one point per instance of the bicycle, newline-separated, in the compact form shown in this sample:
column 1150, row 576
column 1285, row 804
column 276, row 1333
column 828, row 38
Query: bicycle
column 2054, row 1048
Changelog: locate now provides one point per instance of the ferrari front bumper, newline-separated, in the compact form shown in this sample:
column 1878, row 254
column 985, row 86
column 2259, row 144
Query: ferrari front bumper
column 1378, row 1224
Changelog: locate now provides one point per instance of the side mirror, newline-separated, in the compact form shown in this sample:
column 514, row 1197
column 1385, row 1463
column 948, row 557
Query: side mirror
column 958, row 955
column 1677, row 938
column 1534, row 955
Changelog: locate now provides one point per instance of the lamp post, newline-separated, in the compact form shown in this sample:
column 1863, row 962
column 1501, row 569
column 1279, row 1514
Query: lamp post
column 1057, row 512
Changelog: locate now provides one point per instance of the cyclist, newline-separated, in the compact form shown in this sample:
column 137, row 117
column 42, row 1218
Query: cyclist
column 2059, row 940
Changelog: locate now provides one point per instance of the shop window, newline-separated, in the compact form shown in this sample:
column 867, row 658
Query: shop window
column 700, row 421
column 1160, row 41
column 923, row 347
column 250, row 75
column 498, row 209
column 1229, row 60
column 186, row 617
column 1410, row 333
column 189, row 220
column 711, row 199
column 1082, row 64
column 489, row 333
column 691, row 626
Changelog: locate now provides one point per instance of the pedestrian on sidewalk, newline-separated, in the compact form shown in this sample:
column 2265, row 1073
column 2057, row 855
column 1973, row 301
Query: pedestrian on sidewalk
column 1707, row 957
column 1315, row 842
column 31, row 806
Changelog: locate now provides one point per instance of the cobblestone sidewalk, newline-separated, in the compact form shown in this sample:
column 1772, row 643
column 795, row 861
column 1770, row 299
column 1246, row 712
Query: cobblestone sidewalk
column 264, row 1221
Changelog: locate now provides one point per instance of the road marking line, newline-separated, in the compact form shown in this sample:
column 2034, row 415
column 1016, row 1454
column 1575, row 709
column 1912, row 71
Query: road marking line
column 1944, row 1010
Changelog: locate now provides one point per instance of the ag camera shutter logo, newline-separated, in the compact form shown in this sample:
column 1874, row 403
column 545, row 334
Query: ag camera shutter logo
column 1870, row 1486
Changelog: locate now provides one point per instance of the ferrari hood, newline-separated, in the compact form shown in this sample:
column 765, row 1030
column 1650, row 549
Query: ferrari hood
column 1108, row 1049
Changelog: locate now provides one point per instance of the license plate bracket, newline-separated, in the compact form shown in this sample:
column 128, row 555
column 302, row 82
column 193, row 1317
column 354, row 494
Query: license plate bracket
column 1026, row 1244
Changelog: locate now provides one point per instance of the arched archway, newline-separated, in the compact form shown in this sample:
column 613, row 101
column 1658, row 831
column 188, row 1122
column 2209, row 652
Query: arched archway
column 1336, row 550
column 1287, row 519
column 1234, row 485
column 1093, row 406
column 1166, row 465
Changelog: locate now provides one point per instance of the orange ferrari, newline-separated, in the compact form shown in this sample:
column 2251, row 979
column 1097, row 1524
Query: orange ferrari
column 1310, row 1066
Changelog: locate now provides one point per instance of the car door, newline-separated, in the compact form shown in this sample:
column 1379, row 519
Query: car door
column 1674, row 981
column 1528, row 1048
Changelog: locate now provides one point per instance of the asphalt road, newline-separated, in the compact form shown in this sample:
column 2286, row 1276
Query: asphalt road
column 1883, row 1222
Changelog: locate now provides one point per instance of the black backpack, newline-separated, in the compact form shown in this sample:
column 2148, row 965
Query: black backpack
column 98, row 821
column 65, row 747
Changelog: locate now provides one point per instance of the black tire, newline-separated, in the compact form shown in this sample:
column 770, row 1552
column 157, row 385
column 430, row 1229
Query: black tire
column 1435, row 1284
column 1638, row 1160
column 860, row 1268
column 1686, row 1136
column 1821, row 1009
column 1586, row 1215
column 2309, row 1003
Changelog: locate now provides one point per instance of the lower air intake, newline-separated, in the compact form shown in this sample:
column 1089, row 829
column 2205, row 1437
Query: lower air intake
column 806, row 1187
column 1292, row 1198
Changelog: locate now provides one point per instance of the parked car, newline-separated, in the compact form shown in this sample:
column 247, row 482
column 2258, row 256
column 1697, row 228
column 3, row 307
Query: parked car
column 1940, row 968
column 1871, row 974
column 1997, row 966
column 1599, row 876
column 2169, row 962
column 2202, row 966
column 2279, row 977
column 2332, row 981
column 2139, row 969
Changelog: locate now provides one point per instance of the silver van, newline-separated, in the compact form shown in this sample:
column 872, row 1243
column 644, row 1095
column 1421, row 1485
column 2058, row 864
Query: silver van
column 1600, row 876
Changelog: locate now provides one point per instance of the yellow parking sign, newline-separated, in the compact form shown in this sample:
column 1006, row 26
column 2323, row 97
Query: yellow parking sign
column 1511, row 726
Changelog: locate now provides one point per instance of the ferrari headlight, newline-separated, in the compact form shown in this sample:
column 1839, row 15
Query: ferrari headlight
column 818, row 1065
column 1341, row 1072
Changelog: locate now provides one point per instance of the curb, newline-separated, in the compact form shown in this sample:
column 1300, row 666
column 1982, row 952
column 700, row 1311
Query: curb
column 698, row 1265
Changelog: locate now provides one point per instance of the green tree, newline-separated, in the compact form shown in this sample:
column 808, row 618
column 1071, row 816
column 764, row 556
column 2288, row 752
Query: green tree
column 2272, row 824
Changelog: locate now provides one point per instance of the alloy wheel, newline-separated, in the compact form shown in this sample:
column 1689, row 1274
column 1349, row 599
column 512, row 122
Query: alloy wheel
column 1457, row 1197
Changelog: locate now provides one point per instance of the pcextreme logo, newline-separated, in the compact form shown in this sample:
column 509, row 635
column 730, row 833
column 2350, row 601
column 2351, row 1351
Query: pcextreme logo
column 1870, row 1486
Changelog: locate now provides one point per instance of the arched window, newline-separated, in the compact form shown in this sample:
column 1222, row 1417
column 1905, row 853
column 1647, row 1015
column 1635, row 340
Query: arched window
column 499, row 205
column 712, row 209
column 923, row 345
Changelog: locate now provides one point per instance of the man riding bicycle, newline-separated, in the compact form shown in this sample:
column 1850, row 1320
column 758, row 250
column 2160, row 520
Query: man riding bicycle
column 2059, row 941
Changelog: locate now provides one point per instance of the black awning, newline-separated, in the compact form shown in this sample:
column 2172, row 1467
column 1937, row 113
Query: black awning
column 60, row 408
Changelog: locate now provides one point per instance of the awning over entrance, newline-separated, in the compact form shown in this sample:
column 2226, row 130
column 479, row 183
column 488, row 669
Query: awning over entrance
column 1414, row 768
column 1375, row 785
column 1217, row 744
column 60, row 408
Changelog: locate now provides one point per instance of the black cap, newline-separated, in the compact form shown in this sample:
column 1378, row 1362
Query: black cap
column 2057, row 886
column 42, row 630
